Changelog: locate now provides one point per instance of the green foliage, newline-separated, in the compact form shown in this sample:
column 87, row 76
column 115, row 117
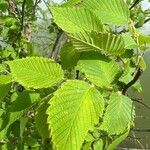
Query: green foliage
column 72, row 3
column 98, row 145
column 109, row 11
column 119, row 114
column 45, row 72
column 79, row 100
column 103, row 42
column 41, row 117
column 78, row 19
column 129, row 41
column 117, row 141
column 72, row 103
column 69, row 56
column 5, row 85
column 144, row 40
column 21, row 102
column 99, row 69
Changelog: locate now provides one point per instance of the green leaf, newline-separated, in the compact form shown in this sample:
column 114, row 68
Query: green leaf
column 1, row 68
column 71, row 3
column 89, row 139
column 3, row 5
column 127, row 76
column 109, row 11
column 21, row 103
column 86, row 146
column 141, row 17
column 41, row 119
column 142, row 64
column 5, row 79
column 119, row 114
column 69, row 56
column 143, row 39
column 129, row 41
column 23, row 123
column 5, row 85
column 74, row 20
column 99, row 69
column 31, row 142
column 117, row 141
column 74, row 110
column 98, row 145
column 36, row 72
column 105, row 42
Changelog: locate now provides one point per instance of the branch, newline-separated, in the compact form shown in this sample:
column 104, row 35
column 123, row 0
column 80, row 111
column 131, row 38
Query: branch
column 34, row 7
column 133, row 81
column 17, row 10
column 147, row 20
column 22, row 13
column 47, row 5
column 141, row 130
column 60, row 40
column 134, row 4
column 140, row 102
column 137, row 140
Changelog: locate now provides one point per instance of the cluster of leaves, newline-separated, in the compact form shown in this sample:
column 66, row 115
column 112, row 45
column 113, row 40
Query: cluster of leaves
column 80, row 102
column 16, row 18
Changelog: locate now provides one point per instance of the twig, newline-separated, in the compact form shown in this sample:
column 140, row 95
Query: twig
column 141, row 130
column 47, row 5
column 137, row 140
column 133, row 81
column 34, row 7
column 140, row 102
column 77, row 74
column 134, row 4
column 147, row 20
column 132, row 137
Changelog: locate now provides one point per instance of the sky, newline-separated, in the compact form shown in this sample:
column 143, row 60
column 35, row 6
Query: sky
column 145, row 5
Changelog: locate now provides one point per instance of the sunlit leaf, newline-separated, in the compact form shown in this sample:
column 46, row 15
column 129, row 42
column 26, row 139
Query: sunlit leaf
column 109, row 11
column 68, row 111
column 36, row 72
column 119, row 114
column 99, row 69
column 75, row 20
column 103, row 42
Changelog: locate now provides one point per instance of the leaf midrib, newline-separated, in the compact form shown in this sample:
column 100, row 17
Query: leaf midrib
column 81, row 102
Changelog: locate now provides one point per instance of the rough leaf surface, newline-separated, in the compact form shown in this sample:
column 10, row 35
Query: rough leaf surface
column 99, row 69
column 119, row 114
column 36, row 72
column 105, row 42
column 74, row 20
column 114, row 12
column 74, row 109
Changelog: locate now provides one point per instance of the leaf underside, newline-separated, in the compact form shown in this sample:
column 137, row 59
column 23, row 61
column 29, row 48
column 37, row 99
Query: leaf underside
column 102, row 42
